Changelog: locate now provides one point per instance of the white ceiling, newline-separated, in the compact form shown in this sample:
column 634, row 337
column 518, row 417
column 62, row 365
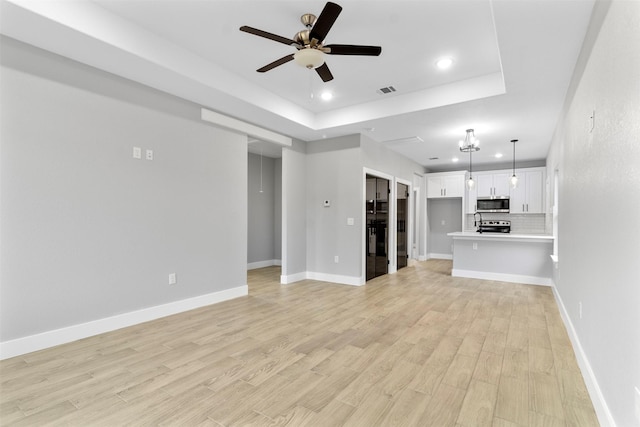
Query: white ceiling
column 513, row 62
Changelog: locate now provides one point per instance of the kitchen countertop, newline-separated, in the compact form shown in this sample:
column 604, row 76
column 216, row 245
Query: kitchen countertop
column 507, row 237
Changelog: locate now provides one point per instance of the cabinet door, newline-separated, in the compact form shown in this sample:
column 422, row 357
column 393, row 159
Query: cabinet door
column 528, row 196
column 434, row 188
column 382, row 189
column 534, row 185
column 501, row 184
column 472, row 196
column 453, row 186
column 484, row 183
column 371, row 189
column 518, row 196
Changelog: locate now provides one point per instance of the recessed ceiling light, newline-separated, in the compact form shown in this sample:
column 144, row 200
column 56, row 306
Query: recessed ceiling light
column 498, row 155
column 444, row 63
column 455, row 159
column 326, row 95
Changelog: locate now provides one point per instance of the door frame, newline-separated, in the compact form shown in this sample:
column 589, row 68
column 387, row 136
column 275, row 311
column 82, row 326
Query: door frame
column 390, row 225
column 409, row 185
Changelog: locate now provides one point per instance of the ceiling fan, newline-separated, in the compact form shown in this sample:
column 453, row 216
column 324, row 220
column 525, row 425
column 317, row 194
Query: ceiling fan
column 311, row 51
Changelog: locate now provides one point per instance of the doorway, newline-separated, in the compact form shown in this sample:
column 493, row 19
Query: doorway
column 402, row 221
column 377, row 212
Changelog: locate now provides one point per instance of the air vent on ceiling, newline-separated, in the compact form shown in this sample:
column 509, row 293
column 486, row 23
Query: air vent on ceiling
column 386, row 90
column 408, row 140
column 434, row 158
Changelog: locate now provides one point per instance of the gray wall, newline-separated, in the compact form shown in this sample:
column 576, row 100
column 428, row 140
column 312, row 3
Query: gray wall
column 334, row 173
column 262, row 210
column 449, row 211
column 599, row 182
column 294, row 210
column 89, row 232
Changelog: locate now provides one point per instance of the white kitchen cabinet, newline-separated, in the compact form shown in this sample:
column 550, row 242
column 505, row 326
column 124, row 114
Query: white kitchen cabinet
column 492, row 184
column 377, row 189
column 445, row 185
column 528, row 196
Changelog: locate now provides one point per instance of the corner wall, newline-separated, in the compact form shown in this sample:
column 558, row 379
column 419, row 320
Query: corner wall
column 599, row 183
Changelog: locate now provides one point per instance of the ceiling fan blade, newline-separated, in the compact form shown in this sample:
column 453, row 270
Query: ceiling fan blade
column 325, row 21
column 350, row 49
column 276, row 63
column 267, row 35
column 324, row 72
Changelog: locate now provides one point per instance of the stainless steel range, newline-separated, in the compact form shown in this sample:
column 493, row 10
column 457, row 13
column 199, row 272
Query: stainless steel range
column 493, row 226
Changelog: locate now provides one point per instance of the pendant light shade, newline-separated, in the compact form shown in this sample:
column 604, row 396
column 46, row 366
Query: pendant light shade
column 513, row 181
column 470, row 182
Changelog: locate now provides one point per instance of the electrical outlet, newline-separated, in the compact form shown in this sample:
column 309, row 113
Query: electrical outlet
column 336, row 259
column 137, row 152
column 475, row 246
column 580, row 309
column 173, row 279
column 149, row 154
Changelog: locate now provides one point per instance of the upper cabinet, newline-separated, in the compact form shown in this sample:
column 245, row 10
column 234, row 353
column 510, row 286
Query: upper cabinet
column 528, row 196
column 493, row 184
column 446, row 184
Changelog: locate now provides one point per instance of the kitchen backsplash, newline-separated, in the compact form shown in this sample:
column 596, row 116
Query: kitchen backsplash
column 523, row 224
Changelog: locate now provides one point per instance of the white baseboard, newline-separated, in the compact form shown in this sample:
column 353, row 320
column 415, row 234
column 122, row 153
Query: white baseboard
column 291, row 278
column 55, row 337
column 336, row 278
column 323, row 277
column 503, row 277
column 262, row 264
column 439, row 256
column 597, row 398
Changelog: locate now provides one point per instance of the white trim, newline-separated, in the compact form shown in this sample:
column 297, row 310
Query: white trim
column 503, row 277
column 597, row 398
column 291, row 278
column 439, row 256
column 322, row 277
column 335, row 278
column 262, row 264
column 425, row 257
column 55, row 337
column 244, row 127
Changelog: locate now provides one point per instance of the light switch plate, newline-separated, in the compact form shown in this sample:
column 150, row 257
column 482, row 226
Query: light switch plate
column 137, row 152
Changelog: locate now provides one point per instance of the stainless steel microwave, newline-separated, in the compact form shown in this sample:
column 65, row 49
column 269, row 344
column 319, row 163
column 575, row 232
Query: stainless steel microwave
column 493, row 204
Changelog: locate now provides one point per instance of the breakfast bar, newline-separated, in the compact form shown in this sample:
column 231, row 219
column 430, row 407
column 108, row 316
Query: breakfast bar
column 518, row 258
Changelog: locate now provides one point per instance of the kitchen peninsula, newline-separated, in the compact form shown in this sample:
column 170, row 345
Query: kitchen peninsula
column 507, row 257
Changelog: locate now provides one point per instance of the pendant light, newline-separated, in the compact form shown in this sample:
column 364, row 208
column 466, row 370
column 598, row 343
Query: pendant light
column 469, row 145
column 470, row 142
column 513, row 181
column 470, row 182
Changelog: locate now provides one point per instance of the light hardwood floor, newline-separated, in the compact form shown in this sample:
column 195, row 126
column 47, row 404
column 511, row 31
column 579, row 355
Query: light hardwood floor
column 417, row 348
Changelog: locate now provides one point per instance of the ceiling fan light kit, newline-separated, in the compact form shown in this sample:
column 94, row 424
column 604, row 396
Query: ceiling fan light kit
column 309, row 58
column 309, row 43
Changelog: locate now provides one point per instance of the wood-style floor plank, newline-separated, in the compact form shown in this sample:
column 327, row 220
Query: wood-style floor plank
column 416, row 348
